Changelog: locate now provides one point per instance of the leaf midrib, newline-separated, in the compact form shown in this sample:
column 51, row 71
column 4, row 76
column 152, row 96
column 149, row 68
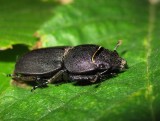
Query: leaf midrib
column 149, row 90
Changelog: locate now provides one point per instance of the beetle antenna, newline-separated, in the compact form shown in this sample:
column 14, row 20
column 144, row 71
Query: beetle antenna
column 118, row 44
column 94, row 54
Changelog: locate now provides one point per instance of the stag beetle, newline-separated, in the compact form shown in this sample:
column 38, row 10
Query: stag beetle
column 79, row 63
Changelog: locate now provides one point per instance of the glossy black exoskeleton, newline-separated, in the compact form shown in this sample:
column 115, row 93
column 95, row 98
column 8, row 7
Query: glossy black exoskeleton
column 83, row 62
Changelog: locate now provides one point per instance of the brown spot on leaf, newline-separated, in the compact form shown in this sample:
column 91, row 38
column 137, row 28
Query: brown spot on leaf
column 64, row 2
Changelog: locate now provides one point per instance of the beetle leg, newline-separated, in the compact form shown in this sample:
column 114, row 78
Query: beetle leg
column 39, row 85
column 42, row 83
column 98, row 76
column 81, row 77
column 56, row 76
column 95, row 78
column 13, row 75
column 113, row 74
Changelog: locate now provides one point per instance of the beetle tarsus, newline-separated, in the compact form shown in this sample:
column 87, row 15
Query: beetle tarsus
column 33, row 88
column 9, row 75
column 39, row 86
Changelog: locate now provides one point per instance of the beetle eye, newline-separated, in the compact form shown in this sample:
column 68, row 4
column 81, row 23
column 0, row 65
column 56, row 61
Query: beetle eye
column 101, row 66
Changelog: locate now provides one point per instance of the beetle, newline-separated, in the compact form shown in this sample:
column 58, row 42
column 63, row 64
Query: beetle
column 79, row 63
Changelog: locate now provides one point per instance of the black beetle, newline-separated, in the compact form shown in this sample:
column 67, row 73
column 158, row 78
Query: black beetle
column 84, row 62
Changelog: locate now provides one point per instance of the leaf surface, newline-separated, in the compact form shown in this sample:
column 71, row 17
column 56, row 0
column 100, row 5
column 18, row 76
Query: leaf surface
column 132, row 95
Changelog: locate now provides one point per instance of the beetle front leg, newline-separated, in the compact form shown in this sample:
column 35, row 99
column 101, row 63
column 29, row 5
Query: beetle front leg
column 95, row 78
column 84, row 79
column 99, row 76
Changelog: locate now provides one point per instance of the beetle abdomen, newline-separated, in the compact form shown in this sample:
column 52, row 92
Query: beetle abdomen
column 41, row 61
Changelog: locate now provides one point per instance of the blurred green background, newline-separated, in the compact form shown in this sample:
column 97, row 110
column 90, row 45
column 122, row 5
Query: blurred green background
column 130, row 96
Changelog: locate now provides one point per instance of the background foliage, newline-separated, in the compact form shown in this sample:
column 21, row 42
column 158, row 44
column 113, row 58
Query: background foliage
column 132, row 95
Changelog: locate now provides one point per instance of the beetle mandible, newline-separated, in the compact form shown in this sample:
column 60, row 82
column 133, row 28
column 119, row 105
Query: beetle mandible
column 79, row 63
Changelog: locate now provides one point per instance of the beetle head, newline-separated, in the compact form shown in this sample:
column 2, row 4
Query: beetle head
column 117, row 63
column 109, row 60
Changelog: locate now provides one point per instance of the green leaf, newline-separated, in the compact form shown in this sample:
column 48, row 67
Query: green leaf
column 20, row 19
column 132, row 95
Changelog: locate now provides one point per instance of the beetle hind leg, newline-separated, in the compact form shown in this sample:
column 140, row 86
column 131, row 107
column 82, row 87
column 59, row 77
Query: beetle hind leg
column 43, row 82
